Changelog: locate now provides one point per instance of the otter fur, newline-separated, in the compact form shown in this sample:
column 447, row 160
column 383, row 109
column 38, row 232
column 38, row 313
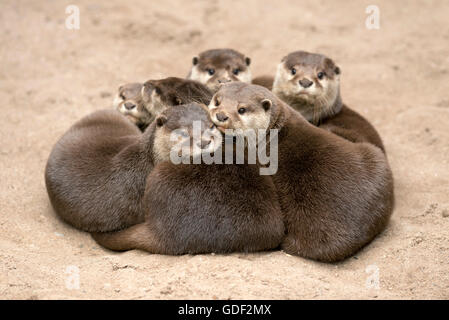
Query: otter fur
column 336, row 196
column 142, row 103
column 201, row 208
column 310, row 83
column 217, row 66
column 95, row 175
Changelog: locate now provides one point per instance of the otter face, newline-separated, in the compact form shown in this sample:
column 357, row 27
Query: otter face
column 129, row 102
column 154, row 96
column 186, row 130
column 239, row 106
column 161, row 94
column 218, row 66
column 310, row 77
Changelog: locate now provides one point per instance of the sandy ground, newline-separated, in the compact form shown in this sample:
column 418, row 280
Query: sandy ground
column 398, row 77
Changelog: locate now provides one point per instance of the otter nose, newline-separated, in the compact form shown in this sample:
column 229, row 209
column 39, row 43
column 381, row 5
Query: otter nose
column 223, row 80
column 203, row 144
column 222, row 117
column 305, row 83
column 129, row 105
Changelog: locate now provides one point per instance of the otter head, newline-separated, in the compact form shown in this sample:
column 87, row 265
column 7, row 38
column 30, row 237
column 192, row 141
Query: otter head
column 156, row 98
column 241, row 106
column 130, row 103
column 158, row 95
column 309, row 82
column 185, row 126
column 218, row 66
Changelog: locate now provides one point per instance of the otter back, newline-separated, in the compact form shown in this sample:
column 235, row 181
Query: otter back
column 198, row 208
column 95, row 175
column 336, row 196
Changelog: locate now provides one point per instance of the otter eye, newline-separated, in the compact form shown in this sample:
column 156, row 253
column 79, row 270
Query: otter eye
column 217, row 103
column 242, row 110
column 161, row 120
column 236, row 71
column 321, row 75
column 211, row 71
column 293, row 71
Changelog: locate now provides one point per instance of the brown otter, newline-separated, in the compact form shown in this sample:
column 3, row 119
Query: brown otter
column 310, row 83
column 336, row 196
column 200, row 208
column 217, row 66
column 142, row 103
column 95, row 175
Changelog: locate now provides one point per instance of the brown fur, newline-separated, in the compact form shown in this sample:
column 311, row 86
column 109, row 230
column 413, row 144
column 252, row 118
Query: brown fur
column 336, row 196
column 351, row 126
column 154, row 96
column 321, row 104
column 95, row 175
column 203, row 208
column 174, row 91
column 226, row 64
column 264, row 81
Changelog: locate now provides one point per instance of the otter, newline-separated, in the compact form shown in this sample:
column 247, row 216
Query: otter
column 336, row 196
column 217, row 66
column 310, row 83
column 95, row 174
column 141, row 103
column 201, row 208
column 172, row 91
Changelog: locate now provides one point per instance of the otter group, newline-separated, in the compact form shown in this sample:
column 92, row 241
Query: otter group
column 111, row 174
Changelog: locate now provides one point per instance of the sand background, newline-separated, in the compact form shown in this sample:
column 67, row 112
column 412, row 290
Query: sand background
column 397, row 77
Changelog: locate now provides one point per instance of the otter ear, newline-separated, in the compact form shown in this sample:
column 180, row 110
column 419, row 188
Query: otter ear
column 195, row 61
column 337, row 70
column 177, row 101
column 248, row 61
column 146, row 91
column 161, row 120
column 266, row 104
column 328, row 63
